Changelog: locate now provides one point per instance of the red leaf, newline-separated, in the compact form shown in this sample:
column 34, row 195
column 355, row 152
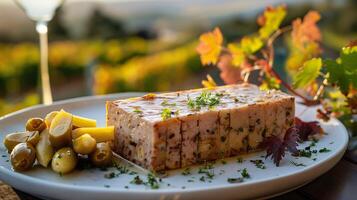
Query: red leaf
column 306, row 129
column 277, row 147
column 229, row 73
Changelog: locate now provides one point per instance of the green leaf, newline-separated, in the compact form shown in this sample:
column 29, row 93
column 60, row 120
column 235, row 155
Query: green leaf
column 251, row 44
column 343, row 71
column 349, row 58
column 308, row 73
column 272, row 19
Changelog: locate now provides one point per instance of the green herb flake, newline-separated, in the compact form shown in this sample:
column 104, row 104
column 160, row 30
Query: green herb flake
column 204, row 99
column 190, row 180
column 4, row 156
column 166, row 103
column 126, row 187
column 152, row 182
column 110, row 175
column 235, row 180
column 223, row 162
column 203, row 179
column 298, row 164
column 258, row 163
column 245, row 173
column 107, row 186
column 137, row 180
column 137, row 111
column 166, row 113
column 186, row 172
column 324, row 150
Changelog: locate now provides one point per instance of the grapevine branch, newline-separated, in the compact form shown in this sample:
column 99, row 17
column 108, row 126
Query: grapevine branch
column 271, row 70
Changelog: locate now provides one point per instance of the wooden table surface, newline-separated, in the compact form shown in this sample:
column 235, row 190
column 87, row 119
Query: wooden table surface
column 338, row 183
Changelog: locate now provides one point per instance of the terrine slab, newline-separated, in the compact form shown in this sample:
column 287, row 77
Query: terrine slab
column 91, row 184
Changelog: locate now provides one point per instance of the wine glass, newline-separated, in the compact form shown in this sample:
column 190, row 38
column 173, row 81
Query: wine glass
column 42, row 11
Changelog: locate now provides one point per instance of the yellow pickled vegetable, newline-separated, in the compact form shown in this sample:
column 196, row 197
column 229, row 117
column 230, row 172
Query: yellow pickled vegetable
column 60, row 129
column 80, row 122
column 44, row 150
column 84, row 144
column 49, row 117
column 102, row 134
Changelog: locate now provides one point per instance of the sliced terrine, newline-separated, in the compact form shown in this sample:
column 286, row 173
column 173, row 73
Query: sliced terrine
column 179, row 129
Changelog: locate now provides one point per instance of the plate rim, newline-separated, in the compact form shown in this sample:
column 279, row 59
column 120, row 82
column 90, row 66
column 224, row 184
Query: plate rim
column 26, row 179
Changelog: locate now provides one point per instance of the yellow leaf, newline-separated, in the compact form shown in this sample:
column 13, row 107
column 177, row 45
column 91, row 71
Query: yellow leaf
column 271, row 20
column 237, row 54
column 209, row 83
column 210, row 46
column 251, row 44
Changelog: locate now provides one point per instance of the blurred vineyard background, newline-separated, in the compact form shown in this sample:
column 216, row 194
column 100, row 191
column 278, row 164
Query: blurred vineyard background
column 154, row 50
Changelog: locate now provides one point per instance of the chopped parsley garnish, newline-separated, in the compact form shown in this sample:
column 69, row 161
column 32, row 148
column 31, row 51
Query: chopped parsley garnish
column 126, row 187
column 202, row 179
column 166, row 113
column 235, row 180
column 258, row 163
column 245, row 173
column 190, row 180
column 223, row 162
column 137, row 180
column 4, row 156
column 298, row 164
column 110, row 175
column 186, row 172
column 324, row 150
column 305, row 152
column 107, row 186
column 152, row 182
column 138, row 111
column 183, row 187
column 205, row 99
column 166, row 103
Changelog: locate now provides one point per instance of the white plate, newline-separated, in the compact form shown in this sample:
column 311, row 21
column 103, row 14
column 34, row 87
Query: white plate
column 91, row 184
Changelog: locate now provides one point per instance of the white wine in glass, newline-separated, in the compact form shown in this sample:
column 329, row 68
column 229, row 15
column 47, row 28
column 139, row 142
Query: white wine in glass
column 42, row 11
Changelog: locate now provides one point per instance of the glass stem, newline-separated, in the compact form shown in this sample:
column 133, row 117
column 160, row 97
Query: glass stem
column 41, row 28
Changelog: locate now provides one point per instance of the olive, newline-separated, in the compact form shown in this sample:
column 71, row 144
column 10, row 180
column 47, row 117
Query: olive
column 35, row 124
column 12, row 139
column 44, row 150
column 102, row 156
column 23, row 156
column 64, row 160
column 33, row 138
column 60, row 130
column 49, row 117
column 85, row 144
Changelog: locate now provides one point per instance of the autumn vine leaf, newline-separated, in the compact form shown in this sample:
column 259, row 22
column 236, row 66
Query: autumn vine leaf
column 229, row 73
column 210, row 46
column 306, row 31
column 251, row 44
column 308, row 73
column 271, row 20
column 238, row 55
